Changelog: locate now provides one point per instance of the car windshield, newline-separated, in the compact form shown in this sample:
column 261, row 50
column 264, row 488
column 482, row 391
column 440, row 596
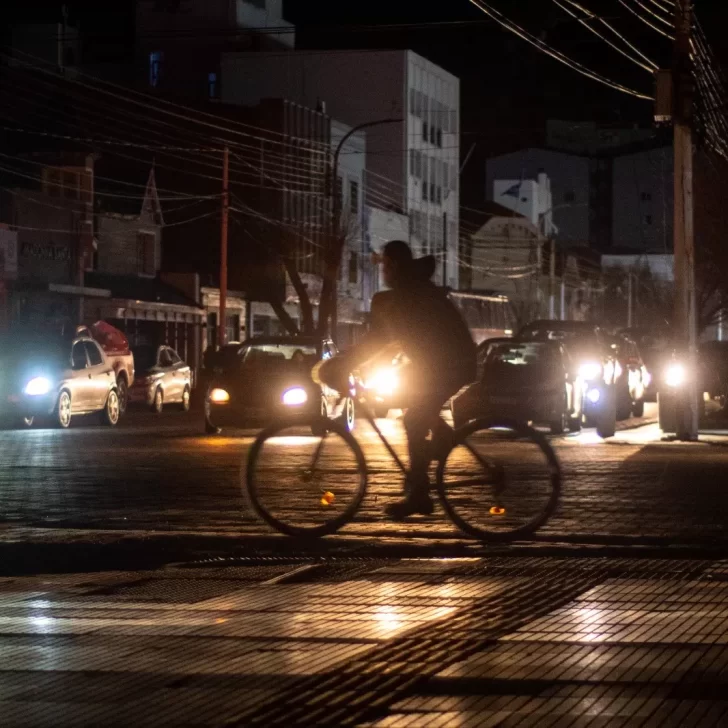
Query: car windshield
column 271, row 353
column 531, row 355
column 145, row 357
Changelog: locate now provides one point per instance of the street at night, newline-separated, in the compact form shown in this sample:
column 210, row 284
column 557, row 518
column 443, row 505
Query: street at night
column 161, row 475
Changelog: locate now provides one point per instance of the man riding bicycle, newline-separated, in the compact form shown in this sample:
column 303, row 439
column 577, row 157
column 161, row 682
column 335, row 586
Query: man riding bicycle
column 429, row 330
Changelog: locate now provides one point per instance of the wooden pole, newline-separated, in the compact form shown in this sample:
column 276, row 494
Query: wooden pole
column 221, row 329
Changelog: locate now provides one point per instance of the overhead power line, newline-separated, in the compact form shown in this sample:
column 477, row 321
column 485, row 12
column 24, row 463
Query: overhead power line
column 557, row 55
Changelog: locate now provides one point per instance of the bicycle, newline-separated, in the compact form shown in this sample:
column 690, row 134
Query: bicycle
column 476, row 490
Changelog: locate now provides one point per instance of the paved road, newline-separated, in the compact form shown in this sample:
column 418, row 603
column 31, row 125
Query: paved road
column 161, row 474
column 500, row 641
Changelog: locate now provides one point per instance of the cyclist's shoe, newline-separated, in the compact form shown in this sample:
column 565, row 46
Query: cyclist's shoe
column 416, row 502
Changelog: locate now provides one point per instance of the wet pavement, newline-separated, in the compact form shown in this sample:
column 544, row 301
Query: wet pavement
column 498, row 641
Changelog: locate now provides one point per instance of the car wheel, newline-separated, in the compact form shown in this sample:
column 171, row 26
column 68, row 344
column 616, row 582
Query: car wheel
column 347, row 414
column 112, row 410
column 186, row 397
column 63, row 410
column 158, row 401
column 607, row 420
column 122, row 389
column 573, row 424
column 638, row 408
column 558, row 426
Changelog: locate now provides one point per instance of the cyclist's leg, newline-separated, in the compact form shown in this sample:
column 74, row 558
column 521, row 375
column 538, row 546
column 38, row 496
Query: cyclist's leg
column 421, row 417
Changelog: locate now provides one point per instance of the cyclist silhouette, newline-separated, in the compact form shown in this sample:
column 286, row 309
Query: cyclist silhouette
column 429, row 329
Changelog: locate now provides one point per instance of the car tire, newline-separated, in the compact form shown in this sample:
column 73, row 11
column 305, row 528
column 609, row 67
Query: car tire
column 158, row 402
column 62, row 413
column 346, row 418
column 186, row 399
column 638, row 408
column 111, row 413
column 573, row 424
column 606, row 421
column 624, row 406
column 557, row 427
column 122, row 389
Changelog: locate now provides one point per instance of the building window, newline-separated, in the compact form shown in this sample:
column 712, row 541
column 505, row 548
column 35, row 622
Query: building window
column 155, row 68
column 145, row 254
column 424, row 190
column 648, row 219
column 569, row 196
column 424, row 131
column 212, row 89
column 433, row 135
column 212, row 329
column 354, row 197
column 232, row 327
column 439, row 138
column 353, row 267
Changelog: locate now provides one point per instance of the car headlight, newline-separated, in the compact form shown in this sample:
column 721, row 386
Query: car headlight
column 384, row 381
column 295, row 396
column 38, row 386
column 593, row 395
column 590, row 370
column 220, row 396
column 675, row 375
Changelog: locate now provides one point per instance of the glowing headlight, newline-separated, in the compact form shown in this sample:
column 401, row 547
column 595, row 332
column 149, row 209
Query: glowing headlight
column 675, row 375
column 219, row 395
column 294, row 396
column 593, row 395
column 384, row 381
column 38, row 386
column 590, row 370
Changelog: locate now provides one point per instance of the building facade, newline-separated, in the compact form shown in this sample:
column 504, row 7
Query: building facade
column 412, row 155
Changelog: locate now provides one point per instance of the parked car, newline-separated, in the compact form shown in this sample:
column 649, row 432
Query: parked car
column 51, row 379
column 533, row 381
column 270, row 377
column 484, row 347
column 713, row 357
column 588, row 346
column 632, row 378
column 162, row 378
column 655, row 347
column 116, row 347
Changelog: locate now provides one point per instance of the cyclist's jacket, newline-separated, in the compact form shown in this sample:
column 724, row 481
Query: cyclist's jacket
column 429, row 329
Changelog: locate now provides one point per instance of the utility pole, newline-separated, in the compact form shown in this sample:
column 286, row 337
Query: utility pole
column 552, row 280
column 221, row 328
column 629, row 299
column 684, row 250
column 444, row 249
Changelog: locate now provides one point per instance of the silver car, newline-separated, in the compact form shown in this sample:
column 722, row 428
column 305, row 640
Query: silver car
column 52, row 379
column 161, row 378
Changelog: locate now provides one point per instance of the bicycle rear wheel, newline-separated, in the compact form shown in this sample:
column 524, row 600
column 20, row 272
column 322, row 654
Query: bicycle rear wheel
column 305, row 485
column 500, row 481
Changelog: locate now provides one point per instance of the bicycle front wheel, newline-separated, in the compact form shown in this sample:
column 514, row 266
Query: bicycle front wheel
column 500, row 481
column 302, row 484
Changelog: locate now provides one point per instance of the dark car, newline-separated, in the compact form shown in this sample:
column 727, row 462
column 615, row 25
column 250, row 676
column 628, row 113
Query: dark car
column 50, row 379
column 270, row 377
column 484, row 348
column 589, row 348
column 161, row 378
column 534, row 381
column 632, row 378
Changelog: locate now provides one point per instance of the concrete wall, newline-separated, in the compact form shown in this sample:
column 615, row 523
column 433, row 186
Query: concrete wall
column 643, row 200
column 118, row 245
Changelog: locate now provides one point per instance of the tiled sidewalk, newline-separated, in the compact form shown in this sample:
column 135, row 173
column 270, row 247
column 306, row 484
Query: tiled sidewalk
column 499, row 641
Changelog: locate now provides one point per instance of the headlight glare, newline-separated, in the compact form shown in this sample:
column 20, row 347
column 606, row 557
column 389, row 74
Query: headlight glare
column 295, row 396
column 219, row 396
column 384, row 381
column 675, row 375
column 38, row 386
column 590, row 370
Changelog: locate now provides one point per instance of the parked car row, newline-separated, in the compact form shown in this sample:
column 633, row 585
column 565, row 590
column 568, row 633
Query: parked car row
column 51, row 378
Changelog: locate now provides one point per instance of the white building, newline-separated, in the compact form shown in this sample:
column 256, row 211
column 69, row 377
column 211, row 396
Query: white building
column 528, row 197
column 412, row 160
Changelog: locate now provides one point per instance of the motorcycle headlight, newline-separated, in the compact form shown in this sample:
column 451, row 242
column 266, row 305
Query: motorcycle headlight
column 219, row 396
column 38, row 386
column 590, row 370
column 295, row 396
column 675, row 375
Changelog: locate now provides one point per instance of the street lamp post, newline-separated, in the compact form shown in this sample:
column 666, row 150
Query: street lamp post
column 335, row 259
